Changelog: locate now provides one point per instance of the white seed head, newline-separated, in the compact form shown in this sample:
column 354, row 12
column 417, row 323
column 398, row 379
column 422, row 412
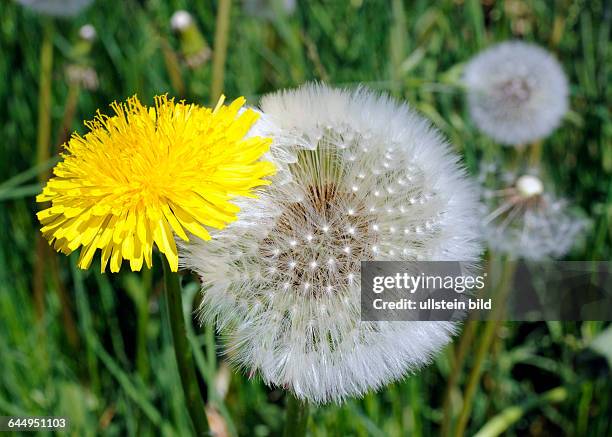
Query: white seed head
column 88, row 32
column 310, row 339
column 524, row 220
column 517, row 92
column 57, row 8
column 529, row 186
column 181, row 20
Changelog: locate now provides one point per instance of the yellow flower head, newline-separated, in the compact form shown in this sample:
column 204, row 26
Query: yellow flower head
column 143, row 173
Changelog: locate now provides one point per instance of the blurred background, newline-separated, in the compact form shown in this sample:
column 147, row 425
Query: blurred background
column 92, row 346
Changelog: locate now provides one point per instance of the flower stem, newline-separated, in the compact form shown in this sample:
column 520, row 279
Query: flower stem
column 464, row 348
column 44, row 98
column 488, row 335
column 142, row 311
column 535, row 154
column 173, row 67
column 42, row 154
column 220, row 49
column 74, row 91
column 182, row 351
column 462, row 352
column 296, row 417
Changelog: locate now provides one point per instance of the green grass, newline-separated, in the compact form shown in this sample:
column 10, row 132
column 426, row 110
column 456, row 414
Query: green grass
column 99, row 353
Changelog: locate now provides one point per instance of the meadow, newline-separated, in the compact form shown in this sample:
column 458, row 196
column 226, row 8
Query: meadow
column 94, row 347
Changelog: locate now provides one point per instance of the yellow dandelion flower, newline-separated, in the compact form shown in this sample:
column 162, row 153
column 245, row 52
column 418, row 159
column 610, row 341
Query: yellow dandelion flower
column 146, row 173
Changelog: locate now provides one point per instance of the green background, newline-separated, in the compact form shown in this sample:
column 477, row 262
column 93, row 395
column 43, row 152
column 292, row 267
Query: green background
column 93, row 347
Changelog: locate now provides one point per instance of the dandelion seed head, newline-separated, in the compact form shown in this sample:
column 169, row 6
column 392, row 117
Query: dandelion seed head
column 517, row 92
column 88, row 33
column 525, row 220
column 529, row 186
column 181, row 20
column 329, row 355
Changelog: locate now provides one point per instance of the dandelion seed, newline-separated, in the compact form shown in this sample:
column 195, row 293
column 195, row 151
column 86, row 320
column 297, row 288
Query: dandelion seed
column 517, row 92
column 524, row 220
column 329, row 355
column 144, row 174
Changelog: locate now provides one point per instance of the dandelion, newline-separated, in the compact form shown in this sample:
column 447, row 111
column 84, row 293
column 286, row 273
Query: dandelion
column 144, row 174
column 370, row 180
column 194, row 48
column 88, row 33
column 181, row 20
column 58, row 8
column 525, row 220
column 517, row 92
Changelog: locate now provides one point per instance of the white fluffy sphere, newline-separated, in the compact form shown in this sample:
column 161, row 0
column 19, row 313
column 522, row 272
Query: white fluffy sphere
column 88, row 33
column 517, row 92
column 181, row 20
column 369, row 180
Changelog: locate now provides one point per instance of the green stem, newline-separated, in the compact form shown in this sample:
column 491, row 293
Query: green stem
column 220, row 49
column 500, row 423
column 490, row 328
column 416, row 406
column 462, row 351
column 296, row 418
column 465, row 346
column 42, row 153
column 70, row 107
column 182, row 351
column 44, row 97
column 173, row 67
column 142, row 362
column 211, row 355
column 535, row 154
column 398, row 36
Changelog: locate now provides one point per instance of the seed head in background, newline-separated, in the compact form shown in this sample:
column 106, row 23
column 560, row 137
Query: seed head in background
column 194, row 48
column 57, row 8
column 146, row 173
column 80, row 71
column 517, row 92
column 524, row 219
column 370, row 180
